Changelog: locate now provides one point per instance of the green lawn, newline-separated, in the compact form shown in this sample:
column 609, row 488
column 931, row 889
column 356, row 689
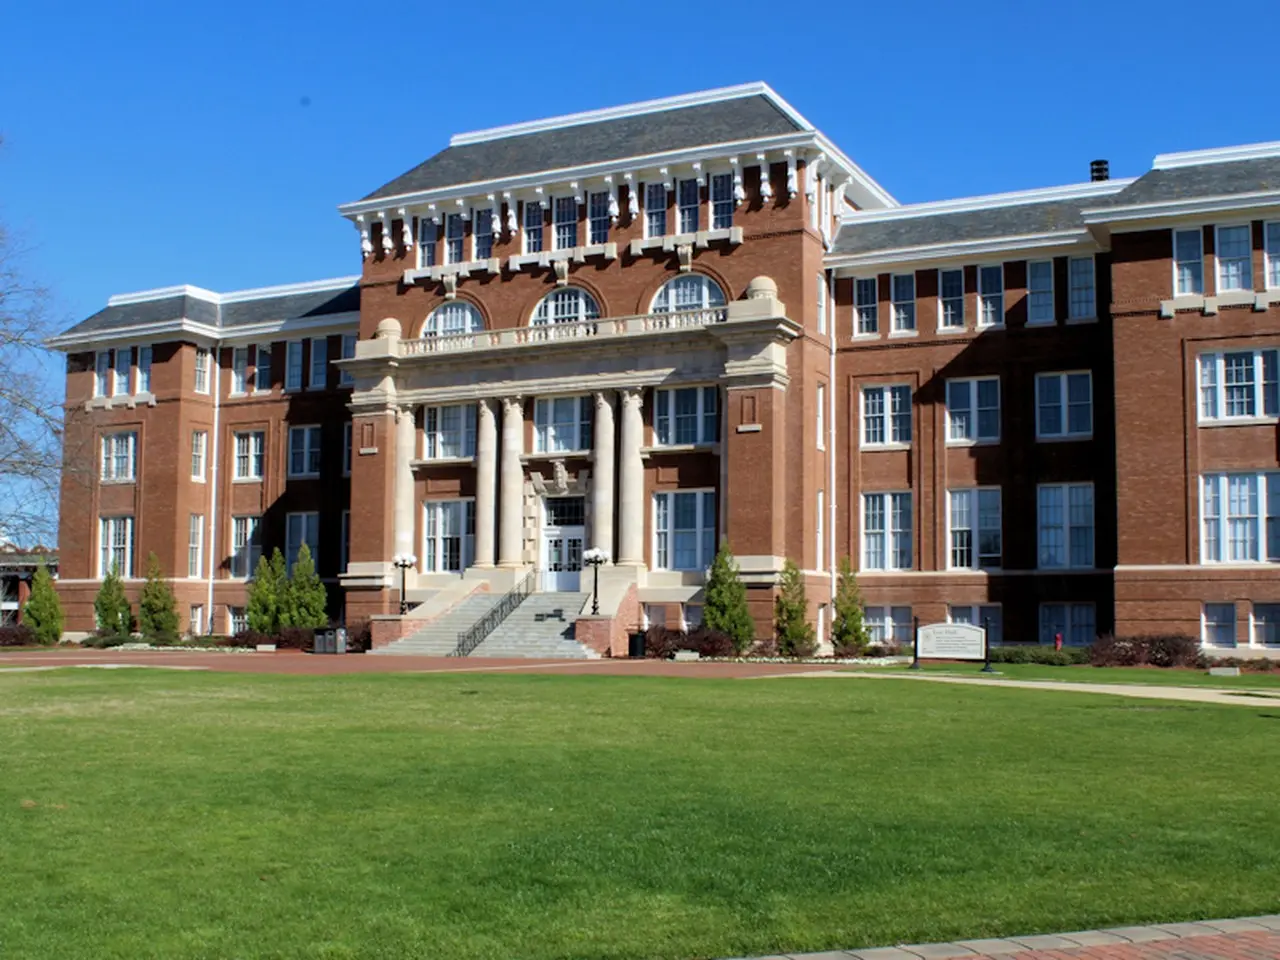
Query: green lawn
column 1087, row 674
column 155, row 814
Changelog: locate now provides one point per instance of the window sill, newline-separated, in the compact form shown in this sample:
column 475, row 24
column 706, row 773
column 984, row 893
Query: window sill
column 903, row 334
column 198, row 480
column 865, row 336
column 544, row 258
column 1035, row 324
column 883, row 447
column 554, row 455
column 125, row 401
column 973, row 443
column 247, row 480
column 462, row 269
column 680, row 448
column 983, row 328
column 699, row 239
column 437, row 462
column 302, row 476
column 1063, row 437
column 1208, row 305
column 951, row 331
column 116, row 481
column 1080, row 321
column 1263, row 421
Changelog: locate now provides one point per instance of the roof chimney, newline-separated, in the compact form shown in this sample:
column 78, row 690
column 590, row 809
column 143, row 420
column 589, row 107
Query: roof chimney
column 1099, row 170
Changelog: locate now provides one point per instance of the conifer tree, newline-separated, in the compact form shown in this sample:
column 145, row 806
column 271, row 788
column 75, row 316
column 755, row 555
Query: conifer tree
column 848, row 626
column 43, row 609
column 266, row 594
column 111, row 607
column 305, row 598
column 725, row 607
column 792, row 629
column 157, row 609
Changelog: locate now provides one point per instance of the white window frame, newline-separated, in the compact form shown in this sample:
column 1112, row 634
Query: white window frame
column 820, row 415
column 484, row 216
column 437, row 438
column 1219, row 285
column 246, row 546
column 1073, row 618
column 428, row 242
column 345, row 379
column 890, row 395
column 986, row 296
column 1076, row 310
column 237, row 620
column 894, row 537
column 670, row 294
column 980, row 614
column 1195, row 289
column 707, row 416
column 1258, row 526
column 973, row 413
column 973, row 498
column 199, row 454
column 293, row 369
column 819, row 531
column 1271, row 254
column 255, row 456
column 721, row 197
column 301, row 527
column 195, row 546
column 866, row 314
column 1064, row 406
column 239, row 371
column 117, row 447
column 202, row 365
column 195, row 620
column 545, row 430
column 889, row 624
column 585, row 307
column 564, row 230
column 102, row 376
column 309, row 448
column 652, row 190
column 142, row 369
column 1256, row 624
column 455, row 246
column 261, row 369
column 1204, row 624
column 685, row 210
column 599, row 220
column 1068, row 527
column 822, row 303
column 434, row 541
column 121, row 371
column 1032, row 292
column 1211, row 376
column 663, row 546
column 902, row 309
column 943, row 300
column 115, row 546
column 453, row 318
column 533, row 222
column 318, row 367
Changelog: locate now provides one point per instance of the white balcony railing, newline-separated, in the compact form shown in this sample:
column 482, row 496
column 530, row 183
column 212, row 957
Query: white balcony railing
column 556, row 332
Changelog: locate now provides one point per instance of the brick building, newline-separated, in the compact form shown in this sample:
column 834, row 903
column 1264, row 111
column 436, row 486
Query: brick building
column 652, row 327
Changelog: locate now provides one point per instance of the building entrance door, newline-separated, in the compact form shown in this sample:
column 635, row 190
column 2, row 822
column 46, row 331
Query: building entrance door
column 563, row 533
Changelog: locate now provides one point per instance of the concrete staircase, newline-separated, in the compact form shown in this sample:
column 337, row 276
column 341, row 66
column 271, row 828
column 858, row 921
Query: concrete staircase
column 540, row 628
column 439, row 637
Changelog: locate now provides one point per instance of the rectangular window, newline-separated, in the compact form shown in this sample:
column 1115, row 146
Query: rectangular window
column 951, row 290
column 293, row 365
column 655, row 209
column 563, row 424
column 1219, row 624
column 246, row 546
column 1240, row 520
column 1271, row 241
column 692, row 615
column 428, row 235
column 119, row 457
column 904, row 302
column 973, row 410
column 684, row 529
column 1076, row 623
column 455, row 229
column 346, row 449
column 1239, row 385
column 144, row 369
column 822, row 303
column 886, row 531
column 722, row 202
column 818, row 528
column 301, row 528
column 348, row 351
column 976, row 529
column 988, row 616
column 250, row 454
column 202, row 370
column 450, row 527
column 451, row 431
column 598, row 217
column 102, row 373
column 1065, row 525
column 237, row 620
column 115, row 546
column 304, row 451
column 122, row 368
column 199, row 446
column 239, row 369
column 688, row 194
column 886, row 415
column 991, row 296
column 195, row 545
column 688, row 415
column 482, row 233
column 889, row 625
column 1064, row 404
column 533, row 218
column 1266, row 624
column 262, row 368
column 1188, row 262
column 1082, row 298
column 195, row 620
column 820, row 420
column 566, row 222
column 1040, row 307
column 866, row 306
column 1234, row 251
column 318, row 376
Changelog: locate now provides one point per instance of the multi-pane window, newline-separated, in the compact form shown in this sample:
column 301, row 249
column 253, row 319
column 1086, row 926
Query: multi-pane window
column 1040, row 292
column 1064, row 404
column 1219, row 624
column 195, row 620
column 346, row 449
column 990, row 296
column 889, row 625
column 866, row 305
column 455, row 229
column 822, row 303
column 687, row 200
column 144, row 369
column 102, row 373
column 1271, row 239
column 450, row 535
column 428, row 236
column 115, row 546
column 684, row 530
column 1188, row 262
column 122, row 368
column 820, row 416
column 304, row 451
column 246, row 546
column 1065, row 525
column 348, row 351
column 451, row 431
column 262, row 367
column 562, row 424
column 976, row 529
column 566, row 222
column 1234, row 251
column 199, row 447
column 250, row 454
column 886, row 415
column 566, row 305
column 533, row 217
column 886, row 531
column 689, row 291
column 904, row 302
column 1240, row 520
column 951, row 293
column 1266, row 624
column 722, row 202
column 1081, row 293
column 300, row 528
column 973, row 410
column 988, row 616
column 1239, row 385
column 239, row 369
column 655, row 209
column 195, row 545
column 119, row 457
column 1075, row 623
column 482, row 233
column 202, row 370
column 686, row 415
column 454, row 317
column 293, row 365
column 318, row 375
column 598, row 217
column 237, row 620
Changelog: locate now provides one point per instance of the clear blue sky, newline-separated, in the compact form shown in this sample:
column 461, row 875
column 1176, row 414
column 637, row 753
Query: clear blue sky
column 209, row 143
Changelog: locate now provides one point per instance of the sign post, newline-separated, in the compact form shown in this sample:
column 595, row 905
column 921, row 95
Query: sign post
column 986, row 647
column 950, row 641
column 915, row 644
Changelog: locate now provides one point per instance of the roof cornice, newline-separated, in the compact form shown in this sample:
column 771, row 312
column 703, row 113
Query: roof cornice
column 1190, row 206
column 183, row 327
column 1197, row 158
column 962, row 250
column 1073, row 191
column 233, row 296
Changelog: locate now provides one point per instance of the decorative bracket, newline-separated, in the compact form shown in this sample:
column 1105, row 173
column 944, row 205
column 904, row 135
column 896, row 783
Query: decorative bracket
column 739, row 192
column 684, row 253
column 450, row 281
column 633, row 199
column 561, row 268
column 792, row 177
column 366, row 244
column 406, row 229
column 513, row 226
column 766, row 185
column 388, row 245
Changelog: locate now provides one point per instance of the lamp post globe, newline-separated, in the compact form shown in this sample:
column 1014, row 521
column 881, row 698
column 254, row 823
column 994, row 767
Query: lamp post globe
column 403, row 561
column 594, row 558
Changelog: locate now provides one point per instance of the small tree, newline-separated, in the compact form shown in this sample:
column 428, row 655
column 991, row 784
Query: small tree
column 111, row 606
column 305, row 599
column 266, row 594
column 43, row 610
column 792, row 629
column 848, row 628
column 725, row 607
column 157, row 610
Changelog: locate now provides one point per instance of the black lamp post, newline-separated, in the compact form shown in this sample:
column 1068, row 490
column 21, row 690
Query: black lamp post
column 403, row 561
column 594, row 558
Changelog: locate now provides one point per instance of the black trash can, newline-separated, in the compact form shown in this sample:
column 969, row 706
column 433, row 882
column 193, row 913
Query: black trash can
column 635, row 645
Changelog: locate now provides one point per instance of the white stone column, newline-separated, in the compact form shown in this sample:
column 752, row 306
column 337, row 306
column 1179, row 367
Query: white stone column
column 511, row 495
column 486, row 481
column 406, row 444
column 602, row 475
column 631, row 481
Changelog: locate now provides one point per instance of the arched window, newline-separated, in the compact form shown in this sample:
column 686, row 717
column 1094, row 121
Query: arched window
column 689, row 291
column 456, row 316
column 566, row 305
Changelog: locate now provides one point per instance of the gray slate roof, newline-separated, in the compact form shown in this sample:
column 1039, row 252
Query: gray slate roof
column 926, row 230
column 228, row 316
column 1202, row 180
column 678, row 129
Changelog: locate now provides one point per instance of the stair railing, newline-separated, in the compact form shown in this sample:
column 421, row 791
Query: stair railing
column 468, row 640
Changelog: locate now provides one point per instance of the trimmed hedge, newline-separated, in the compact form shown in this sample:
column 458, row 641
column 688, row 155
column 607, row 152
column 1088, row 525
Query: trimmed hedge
column 17, row 635
column 1045, row 655
column 1157, row 650
column 661, row 643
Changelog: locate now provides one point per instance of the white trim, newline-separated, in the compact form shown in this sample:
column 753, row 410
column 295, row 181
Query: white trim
column 1072, row 191
column 201, row 332
column 1064, row 405
column 1176, row 208
column 1063, row 242
column 233, row 296
column 1195, row 158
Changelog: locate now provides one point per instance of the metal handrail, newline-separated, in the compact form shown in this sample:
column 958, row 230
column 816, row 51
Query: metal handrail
column 469, row 639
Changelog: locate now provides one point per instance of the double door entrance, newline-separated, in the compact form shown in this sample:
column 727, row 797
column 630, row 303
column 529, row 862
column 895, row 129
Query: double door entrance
column 563, row 534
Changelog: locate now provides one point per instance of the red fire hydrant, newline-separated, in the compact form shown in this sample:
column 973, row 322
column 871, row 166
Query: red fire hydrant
column 1057, row 641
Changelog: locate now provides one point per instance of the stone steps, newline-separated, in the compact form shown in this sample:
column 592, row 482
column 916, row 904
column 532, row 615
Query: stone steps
column 439, row 637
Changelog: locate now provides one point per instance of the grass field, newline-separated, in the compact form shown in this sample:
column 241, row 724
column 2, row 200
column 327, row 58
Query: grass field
column 497, row 816
column 1087, row 674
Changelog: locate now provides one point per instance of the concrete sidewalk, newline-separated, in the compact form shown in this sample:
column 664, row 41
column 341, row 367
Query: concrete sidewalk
column 1246, row 938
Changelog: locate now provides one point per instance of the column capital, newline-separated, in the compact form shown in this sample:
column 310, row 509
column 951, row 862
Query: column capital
column 517, row 401
column 603, row 398
column 405, row 410
column 633, row 396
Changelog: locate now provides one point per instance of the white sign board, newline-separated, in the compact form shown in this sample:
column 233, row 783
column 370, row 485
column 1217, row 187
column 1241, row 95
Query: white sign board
column 951, row 641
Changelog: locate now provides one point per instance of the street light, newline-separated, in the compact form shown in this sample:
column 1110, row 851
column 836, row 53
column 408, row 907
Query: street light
column 594, row 558
column 403, row 561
